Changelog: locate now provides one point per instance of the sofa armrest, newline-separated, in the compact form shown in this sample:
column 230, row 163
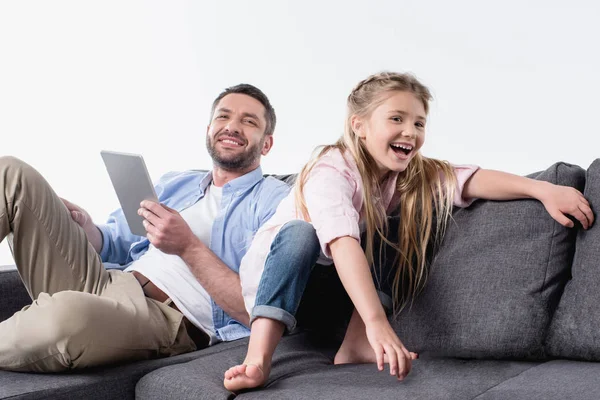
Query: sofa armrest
column 13, row 295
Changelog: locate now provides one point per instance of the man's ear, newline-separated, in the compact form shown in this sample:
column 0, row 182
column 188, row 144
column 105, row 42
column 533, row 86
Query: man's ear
column 357, row 126
column 267, row 145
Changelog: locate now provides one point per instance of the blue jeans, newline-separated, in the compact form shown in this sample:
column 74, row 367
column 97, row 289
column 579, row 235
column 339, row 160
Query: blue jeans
column 293, row 254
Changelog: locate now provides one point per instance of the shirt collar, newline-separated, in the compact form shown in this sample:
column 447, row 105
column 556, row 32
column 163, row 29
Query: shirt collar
column 243, row 182
column 206, row 180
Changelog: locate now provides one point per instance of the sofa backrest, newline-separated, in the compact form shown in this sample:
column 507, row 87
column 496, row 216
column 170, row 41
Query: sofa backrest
column 13, row 295
column 496, row 279
column 575, row 329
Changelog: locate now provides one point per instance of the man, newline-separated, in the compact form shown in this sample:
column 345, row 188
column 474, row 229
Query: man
column 181, row 290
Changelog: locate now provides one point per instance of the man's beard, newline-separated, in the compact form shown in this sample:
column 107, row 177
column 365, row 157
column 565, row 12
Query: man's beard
column 238, row 162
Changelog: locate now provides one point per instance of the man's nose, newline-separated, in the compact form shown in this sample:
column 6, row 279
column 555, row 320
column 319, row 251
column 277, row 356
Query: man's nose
column 233, row 126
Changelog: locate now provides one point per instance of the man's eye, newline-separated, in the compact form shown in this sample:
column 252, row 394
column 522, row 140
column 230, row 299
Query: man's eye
column 250, row 121
column 221, row 116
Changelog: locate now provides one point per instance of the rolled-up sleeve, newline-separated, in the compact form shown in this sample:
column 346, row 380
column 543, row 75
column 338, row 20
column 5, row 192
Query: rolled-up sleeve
column 329, row 193
column 463, row 174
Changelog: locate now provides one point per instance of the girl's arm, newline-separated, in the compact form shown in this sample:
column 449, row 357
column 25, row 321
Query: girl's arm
column 353, row 269
column 558, row 200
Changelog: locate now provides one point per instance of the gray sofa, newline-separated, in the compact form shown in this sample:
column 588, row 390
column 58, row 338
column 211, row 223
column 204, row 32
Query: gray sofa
column 510, row 311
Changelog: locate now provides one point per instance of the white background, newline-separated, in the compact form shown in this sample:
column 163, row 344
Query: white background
column 515, row 83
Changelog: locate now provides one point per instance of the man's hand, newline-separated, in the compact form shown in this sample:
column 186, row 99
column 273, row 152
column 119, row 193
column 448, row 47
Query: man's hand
column 167, row 230
column 84, row 220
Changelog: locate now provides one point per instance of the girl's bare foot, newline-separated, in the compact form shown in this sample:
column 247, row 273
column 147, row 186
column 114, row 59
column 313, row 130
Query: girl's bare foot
column 246, row 376
column 254, row 372
column 355, row 348
column 356, row 352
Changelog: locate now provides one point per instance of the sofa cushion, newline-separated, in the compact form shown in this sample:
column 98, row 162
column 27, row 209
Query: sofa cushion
column 302, row 371
column 560, row 379
column 575, row 329
column 496, row 279
column 115, row 382
column 429, row 379
column 13, row 295
column 204, row 379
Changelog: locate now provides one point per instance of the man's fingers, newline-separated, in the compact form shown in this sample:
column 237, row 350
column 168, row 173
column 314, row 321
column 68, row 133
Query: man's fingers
column 155, row 207
column 150, row 228
column 168, row 208
column 150, row 218
column 77, row 217
column 70, row 206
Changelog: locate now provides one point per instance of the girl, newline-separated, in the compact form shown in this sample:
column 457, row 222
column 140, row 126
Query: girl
column 354, row 184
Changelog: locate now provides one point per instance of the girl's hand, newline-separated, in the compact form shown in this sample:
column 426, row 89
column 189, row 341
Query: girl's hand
column 561, row 200
column 384, row 341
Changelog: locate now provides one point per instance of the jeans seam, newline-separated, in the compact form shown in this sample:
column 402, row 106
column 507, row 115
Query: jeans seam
column 265, row 277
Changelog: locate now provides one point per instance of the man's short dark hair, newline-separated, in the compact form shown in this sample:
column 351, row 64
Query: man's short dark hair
column 256, row 93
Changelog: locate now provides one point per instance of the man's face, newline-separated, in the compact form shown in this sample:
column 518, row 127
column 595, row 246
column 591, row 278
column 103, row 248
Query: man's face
column 235, row 138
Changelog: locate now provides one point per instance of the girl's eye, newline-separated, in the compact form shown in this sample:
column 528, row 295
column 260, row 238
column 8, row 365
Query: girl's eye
column 420, row 125
column 397, row 119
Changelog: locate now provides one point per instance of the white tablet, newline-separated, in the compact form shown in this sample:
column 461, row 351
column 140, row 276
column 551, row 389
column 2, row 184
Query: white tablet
column 132, row 183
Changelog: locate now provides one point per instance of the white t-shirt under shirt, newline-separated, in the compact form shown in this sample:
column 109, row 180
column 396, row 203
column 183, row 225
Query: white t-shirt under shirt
column 172, row 275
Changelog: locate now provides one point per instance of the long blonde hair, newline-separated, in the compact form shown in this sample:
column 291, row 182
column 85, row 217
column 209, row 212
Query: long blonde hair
column 426, row 188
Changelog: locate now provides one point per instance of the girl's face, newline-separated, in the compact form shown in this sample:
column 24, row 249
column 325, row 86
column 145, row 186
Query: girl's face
column 394, row 131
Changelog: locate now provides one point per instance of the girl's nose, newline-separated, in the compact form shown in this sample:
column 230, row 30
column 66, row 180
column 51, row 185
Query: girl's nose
column 409, row 132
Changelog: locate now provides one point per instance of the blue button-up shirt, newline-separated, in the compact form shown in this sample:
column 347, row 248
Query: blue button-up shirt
column 247, row 203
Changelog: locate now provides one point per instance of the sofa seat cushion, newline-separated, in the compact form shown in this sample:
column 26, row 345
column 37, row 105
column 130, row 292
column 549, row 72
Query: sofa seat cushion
column 116, row 382
column 204, row 379
column 575, row 329
column 560, row 379
column 302, row 371
column 496, row 279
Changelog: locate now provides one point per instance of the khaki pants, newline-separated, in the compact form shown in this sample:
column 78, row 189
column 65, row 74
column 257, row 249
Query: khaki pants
column 82, row 314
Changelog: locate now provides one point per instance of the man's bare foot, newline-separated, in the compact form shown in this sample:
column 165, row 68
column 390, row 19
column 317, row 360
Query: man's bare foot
column 246, row 376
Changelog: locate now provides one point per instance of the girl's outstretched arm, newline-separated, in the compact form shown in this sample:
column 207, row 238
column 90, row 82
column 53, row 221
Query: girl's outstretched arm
column 353, row 269
column 558, row 200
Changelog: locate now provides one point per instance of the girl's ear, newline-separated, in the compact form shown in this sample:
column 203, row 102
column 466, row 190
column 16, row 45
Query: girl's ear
column 358, row 126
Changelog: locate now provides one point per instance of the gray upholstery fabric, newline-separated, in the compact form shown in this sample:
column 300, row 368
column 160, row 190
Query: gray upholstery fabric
column 203, row 379
column 117, row 382
column 575, row 329
column 301, row 371
column 13, row 295
column 565, row 380
column 495, row 280
column 429, row 379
